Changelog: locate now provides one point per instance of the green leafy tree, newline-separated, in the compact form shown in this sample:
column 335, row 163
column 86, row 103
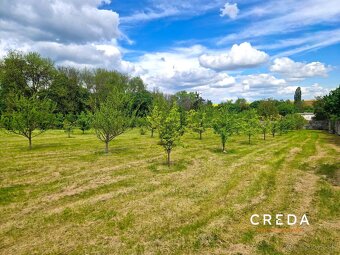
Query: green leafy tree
column 170, row 130
column 69, row 124
column 84, row 121
column 29, row 117
column 265, row 126
column 285, row 107
column 332, row 103
column 23, row 75
column 274, row 126
column 250, row 123
column 112, row 118
column 224, row 125
column 154, row 119
column 197, row 121
column 267, row 108
column 67, row 92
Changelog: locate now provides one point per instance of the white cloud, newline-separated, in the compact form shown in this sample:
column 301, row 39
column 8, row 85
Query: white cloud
column 239, row 56
column 308, row 92
column 59, row 21
column 262, row 81
column 296, row 71
column 179, row 69
column 283, row 17
column 170, row 9
column 76, row 33
column 230, row 10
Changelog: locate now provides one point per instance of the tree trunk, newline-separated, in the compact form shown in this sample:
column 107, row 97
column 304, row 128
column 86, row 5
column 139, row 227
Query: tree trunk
column 106, row 147
column 168, row 161
column 30, row 142
column 249, row 139
column 200, row 135
column 83, row 131
column 223, row 146
column 264, row 135
column 69, row 134
column 151, row 132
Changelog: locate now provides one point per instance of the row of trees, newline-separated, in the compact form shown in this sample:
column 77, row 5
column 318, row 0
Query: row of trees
column 224, row 121
column 35, row 96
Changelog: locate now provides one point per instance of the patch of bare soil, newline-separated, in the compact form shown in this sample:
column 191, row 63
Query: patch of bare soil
column 292, row 153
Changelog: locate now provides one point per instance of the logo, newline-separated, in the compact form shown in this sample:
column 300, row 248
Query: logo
column 278, row 220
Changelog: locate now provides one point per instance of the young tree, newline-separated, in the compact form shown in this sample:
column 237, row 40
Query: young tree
column 224, row 125
column 265, row 126
column 69, row 123
column 170, row 130
column 197, row 121
column 112, row 118
column 274, row 126
column 84, row 121
column 250, row 125
column 154, row 119
column 27, row 115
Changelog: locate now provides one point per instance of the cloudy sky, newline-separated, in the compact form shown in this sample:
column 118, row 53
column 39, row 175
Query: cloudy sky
column 222, row 49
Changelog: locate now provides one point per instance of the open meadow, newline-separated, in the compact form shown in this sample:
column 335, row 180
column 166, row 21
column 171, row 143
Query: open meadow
column 66, row 196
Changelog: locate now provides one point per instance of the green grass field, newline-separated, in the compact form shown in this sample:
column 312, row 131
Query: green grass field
column 66, row 196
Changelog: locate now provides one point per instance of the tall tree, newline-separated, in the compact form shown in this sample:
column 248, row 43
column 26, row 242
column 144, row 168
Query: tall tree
column 170, row 130
column 112, row 118
column 25, row 75
column 297, row 99
column 28, row 115
column 68, row 92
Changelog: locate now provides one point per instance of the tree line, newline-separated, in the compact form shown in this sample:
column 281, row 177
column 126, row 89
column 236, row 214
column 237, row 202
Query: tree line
column 36, row 95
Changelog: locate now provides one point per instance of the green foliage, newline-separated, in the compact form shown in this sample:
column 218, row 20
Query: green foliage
column 197, row 121
column 69, row 124
column 154, row 119
column 285, row 107
column 170, row 130
column 23, row 75
column 250, row 123
column 332, row 103
column 84, row 121
column 68, row 93
column 112, row 118
column 267, row 109
column 265, row 126
column 224, row 125
column 274, row 126
column 291, row 122
column 27, row 115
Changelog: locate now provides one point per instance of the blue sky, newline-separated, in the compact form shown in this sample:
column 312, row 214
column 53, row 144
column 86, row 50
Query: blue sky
column 222, row 49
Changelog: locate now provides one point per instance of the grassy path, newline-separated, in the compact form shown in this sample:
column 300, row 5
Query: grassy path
column 67, row 197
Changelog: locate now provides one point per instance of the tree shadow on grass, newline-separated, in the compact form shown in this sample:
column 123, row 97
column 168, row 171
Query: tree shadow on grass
column 41, row 146
column 219, row 150
column 163, row 168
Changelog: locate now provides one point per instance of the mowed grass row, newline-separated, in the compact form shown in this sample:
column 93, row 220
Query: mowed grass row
column 67, row 197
